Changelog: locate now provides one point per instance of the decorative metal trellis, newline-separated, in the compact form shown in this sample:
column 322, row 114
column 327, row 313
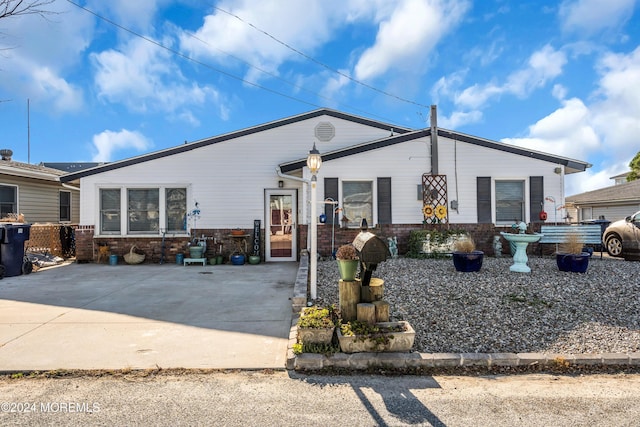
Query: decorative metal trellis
column 434, row 199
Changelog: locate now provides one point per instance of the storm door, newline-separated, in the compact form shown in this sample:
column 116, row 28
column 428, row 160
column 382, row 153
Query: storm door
column 280, row 225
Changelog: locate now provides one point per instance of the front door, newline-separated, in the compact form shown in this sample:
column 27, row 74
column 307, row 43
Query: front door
column 281, row 207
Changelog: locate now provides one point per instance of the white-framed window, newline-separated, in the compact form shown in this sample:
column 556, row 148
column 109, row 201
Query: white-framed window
column 65, row 206
column 8, row 200
column 110, row 211
column 143, row 210
column 510, row 201
column 357, row 202
column 176, row 209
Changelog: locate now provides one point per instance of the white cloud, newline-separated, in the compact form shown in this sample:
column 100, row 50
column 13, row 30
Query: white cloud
column 56, row 91
column 459, row 118
column 543, row 65
column 35, row 67
column 303, row 25
column 606, row 129
column 405, row 39
column 138, row 14
column 591, row 16
column 143, row 77
column 106, row 142
column 566, row 132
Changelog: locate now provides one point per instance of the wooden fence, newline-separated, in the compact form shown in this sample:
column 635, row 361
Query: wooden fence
column 54, row 239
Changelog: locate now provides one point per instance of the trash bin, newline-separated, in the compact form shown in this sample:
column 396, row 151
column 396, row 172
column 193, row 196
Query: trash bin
column 603, row 223
column 12, row 247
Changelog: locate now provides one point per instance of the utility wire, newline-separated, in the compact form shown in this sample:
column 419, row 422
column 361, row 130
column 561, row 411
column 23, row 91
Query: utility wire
column 233, row 76
column 275, row 76
column 322, row 64
column 188, row 58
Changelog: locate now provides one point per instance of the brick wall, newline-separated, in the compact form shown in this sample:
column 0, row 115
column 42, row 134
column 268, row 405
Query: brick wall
column 481, row 233
column 87, row 246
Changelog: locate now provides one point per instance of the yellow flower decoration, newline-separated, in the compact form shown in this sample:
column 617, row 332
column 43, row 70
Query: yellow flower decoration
column 427, row 210
column 441, row 212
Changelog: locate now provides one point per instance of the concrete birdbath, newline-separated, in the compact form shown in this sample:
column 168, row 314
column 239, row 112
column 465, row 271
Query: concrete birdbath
column 521, row 241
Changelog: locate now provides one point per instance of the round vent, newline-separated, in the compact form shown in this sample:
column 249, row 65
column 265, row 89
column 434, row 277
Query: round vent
column 325, row 131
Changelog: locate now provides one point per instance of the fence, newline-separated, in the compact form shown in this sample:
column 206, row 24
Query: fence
column 54, row 239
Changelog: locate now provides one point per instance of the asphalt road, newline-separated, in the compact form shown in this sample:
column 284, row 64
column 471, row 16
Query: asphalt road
column 284, row 398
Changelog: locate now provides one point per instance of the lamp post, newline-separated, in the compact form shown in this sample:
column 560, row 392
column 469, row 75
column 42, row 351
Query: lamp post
column 314, row 161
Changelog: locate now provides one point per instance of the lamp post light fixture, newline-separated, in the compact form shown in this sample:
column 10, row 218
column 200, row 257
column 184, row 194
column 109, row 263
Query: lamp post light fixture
column 314, row 161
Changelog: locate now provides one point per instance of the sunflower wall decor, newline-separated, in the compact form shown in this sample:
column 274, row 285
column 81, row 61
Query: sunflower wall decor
column 434, row 199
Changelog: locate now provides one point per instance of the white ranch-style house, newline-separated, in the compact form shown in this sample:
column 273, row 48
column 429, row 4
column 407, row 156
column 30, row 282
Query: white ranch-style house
column 370, row 170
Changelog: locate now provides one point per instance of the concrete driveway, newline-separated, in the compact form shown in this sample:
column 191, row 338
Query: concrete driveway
column 90, row 316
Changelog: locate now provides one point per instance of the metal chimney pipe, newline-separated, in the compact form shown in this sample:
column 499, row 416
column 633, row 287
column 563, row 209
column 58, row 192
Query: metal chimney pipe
column 434, row 140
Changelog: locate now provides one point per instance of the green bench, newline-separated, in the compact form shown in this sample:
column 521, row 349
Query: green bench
column 587, row 234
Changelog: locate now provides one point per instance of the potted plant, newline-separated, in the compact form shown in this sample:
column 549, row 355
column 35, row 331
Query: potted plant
column 572, row 255
column 465, row 256
column 347, row 258
column 316, row 325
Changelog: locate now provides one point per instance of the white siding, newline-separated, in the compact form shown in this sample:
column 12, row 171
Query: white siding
column 227, row 179
column 468, row 161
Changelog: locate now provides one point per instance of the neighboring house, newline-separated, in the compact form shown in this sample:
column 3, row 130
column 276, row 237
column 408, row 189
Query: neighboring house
column 611, row 203
column 371, row 170
column 620, row 178
column 36, row 192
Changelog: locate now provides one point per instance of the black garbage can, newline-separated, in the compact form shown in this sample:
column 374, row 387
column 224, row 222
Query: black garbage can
column 603, row 223
column 12, row 247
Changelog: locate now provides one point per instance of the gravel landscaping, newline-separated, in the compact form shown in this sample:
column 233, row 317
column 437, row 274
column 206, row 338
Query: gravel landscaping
column 495, row 310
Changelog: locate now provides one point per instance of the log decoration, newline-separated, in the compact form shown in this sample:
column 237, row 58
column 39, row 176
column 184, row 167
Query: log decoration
column 382, row 311
column 349, row 297
column 373, row 292
column 366, row 312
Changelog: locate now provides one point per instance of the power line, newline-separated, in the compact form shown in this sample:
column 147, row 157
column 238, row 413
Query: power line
column 275, row 76
column 231, row 75
column 322, row 64
column 188, row 58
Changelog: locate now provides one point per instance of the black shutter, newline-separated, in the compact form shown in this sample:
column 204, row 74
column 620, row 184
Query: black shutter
column 330, row 192
column 536, row 197
column 384, row 201
column 483, row 193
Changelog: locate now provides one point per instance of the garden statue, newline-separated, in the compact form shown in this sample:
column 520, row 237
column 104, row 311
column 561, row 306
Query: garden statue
column 497, row 246
column 393, row 246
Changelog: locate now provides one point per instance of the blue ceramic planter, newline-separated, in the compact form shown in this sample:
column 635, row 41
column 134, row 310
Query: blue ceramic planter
column 237, row 259
column 468, row 261
column 575, row 263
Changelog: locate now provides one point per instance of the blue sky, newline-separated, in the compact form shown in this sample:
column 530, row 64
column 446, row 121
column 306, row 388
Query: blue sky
column 126, row 77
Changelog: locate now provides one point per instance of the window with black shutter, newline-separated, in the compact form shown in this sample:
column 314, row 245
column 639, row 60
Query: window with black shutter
column 384, row 200
column 536, row 197
column 483, row 191
column 330, row 192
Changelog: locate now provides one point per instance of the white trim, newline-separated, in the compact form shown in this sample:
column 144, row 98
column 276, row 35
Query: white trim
column 267, row 223
column 124, row 223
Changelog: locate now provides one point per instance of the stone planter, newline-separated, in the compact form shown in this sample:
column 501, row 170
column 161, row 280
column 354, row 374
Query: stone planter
column 396, row 342
column 315, row 335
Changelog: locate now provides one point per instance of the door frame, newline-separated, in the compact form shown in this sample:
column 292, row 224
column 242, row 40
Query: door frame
column 268, row 193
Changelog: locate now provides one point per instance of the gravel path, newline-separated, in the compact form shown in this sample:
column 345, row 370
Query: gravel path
column 495, row 310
